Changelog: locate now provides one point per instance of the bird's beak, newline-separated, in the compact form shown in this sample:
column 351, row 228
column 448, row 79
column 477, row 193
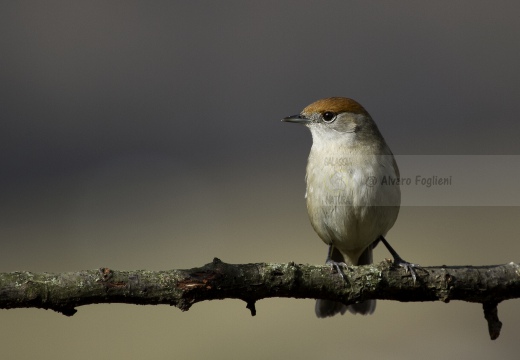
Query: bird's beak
column 299, row 119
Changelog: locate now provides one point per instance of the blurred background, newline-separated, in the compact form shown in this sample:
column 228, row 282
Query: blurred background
column 147, row 135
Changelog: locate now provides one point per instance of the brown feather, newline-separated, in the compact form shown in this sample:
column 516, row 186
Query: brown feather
column 336, row 105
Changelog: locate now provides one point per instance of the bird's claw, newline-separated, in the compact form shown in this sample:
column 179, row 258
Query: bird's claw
column 408, row 268
column 336, row 265
column 398, row 261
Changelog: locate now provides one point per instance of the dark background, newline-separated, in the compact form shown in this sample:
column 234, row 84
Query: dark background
column 146, row 135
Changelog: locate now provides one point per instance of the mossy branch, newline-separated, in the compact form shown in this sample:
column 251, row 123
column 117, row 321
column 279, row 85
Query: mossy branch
column 64, row 292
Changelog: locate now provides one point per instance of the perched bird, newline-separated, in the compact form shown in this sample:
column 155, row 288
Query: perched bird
column 353, row 195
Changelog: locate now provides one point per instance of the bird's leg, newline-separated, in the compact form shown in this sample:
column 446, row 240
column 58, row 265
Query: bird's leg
column 408, row 267
column 335, row 264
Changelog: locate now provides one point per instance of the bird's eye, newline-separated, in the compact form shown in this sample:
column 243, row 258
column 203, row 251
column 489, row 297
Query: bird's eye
column 329, row 116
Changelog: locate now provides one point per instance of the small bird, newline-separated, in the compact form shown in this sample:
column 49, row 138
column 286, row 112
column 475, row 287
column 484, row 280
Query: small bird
column 353, row 195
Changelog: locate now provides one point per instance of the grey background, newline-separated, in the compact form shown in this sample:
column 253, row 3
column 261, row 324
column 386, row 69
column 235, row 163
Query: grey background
column 146, row 135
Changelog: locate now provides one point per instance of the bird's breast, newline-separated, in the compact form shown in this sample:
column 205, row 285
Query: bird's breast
column 348, row 205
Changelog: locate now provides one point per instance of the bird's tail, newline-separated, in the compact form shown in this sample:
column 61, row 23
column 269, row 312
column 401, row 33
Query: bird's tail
column 326, row 308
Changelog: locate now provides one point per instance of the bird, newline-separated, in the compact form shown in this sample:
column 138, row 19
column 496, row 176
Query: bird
column 352, row 189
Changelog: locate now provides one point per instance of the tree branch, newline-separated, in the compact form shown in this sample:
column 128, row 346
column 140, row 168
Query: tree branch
column 488, row 285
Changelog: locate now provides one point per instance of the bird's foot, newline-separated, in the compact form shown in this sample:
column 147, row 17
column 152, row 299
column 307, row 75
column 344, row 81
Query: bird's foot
column 408, row 267
column 337, row 265
column 398, row 261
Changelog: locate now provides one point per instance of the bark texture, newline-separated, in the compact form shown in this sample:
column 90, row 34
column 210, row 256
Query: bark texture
column 64, row 292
